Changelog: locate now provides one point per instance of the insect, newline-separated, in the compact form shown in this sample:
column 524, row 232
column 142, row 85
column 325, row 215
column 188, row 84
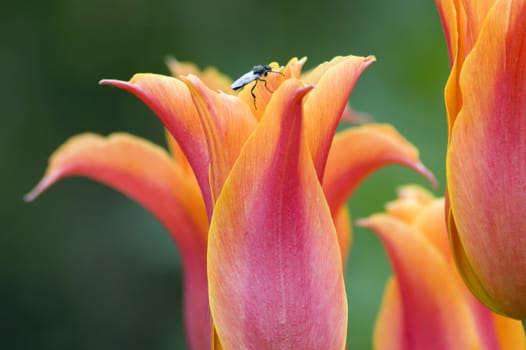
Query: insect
column 256, row 74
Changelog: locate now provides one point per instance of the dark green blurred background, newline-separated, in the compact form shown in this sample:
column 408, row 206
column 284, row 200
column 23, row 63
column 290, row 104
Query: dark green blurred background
column 83, row 267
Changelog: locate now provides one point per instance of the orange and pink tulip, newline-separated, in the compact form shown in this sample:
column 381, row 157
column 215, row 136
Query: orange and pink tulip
column 486, row 158
column 426, row 304
column 253, row 194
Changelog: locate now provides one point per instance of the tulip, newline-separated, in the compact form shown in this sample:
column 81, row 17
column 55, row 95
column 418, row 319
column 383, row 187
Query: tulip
column 426, row 304
column 486, row 158
column 254, row 195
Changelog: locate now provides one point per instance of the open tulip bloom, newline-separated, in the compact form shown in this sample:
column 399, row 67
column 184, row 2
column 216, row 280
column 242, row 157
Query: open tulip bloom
column 486, row 158
column 426, row 304
column 253, row 193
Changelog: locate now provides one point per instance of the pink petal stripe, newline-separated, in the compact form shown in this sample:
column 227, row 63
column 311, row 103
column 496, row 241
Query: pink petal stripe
column 274, row 268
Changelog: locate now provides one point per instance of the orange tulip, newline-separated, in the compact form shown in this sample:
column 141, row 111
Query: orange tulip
column 255, row 198
column 486, row 158
column 426, row 304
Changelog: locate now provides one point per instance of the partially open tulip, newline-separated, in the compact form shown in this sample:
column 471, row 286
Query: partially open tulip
column 486, row 159
column 255, row 197
column 426, row 304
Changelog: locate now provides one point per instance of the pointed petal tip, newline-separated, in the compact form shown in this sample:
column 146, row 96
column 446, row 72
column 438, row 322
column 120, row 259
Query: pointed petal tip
column 29, row 197
column 189, row 79
column 369, row 222
column 305, row 89
column 298, row 89
column 169, row 59
column 428, row 174
column 301, row 91
column 39, row 188
column 112, row 82
column 368, row 60
column 104, row 81
column 362, row 222
column 192, row 82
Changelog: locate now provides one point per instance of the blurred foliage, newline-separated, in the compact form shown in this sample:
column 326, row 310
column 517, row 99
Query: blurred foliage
column 83, row 267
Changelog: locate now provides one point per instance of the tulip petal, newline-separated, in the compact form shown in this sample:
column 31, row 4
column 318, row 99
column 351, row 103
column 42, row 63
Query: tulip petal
column 448, row 18
column 422, row 217
column 357, row 152
column 178, row 155
column 419, row 208
column 494, row 331
column 431, row 222
column 486, row 167
column 170, row 100
column 462, row 22
column 227, row 122
column 274, row 268
column 412, row 199
column 431, row 302
column 465, row 267
column 294, row 67
column 145, row 173
column 210, row 76
column 389, row 326
column 510, row 333
column 325, row 105
column 352, row 116
column 342, row 223
column 428, row 219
